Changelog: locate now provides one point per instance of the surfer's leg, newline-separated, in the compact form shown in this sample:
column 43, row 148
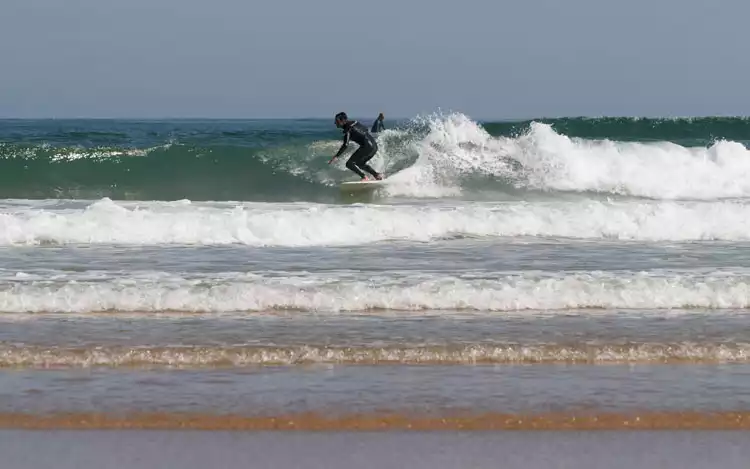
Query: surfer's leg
column 370, row 170
column 351, row 163
column 362, row 163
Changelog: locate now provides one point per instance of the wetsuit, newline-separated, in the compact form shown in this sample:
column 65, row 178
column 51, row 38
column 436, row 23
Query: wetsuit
column 356, row 132
column 377, row 126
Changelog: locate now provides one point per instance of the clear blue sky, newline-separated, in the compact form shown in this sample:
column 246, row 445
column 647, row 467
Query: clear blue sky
column 311, row 58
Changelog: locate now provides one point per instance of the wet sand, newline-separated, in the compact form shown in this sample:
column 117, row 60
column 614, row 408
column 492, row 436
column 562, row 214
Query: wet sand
column 387, row 421
column 194, row 450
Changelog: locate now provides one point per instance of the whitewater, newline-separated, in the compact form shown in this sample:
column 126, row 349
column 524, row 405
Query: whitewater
column 109, row 222
column 457, row 152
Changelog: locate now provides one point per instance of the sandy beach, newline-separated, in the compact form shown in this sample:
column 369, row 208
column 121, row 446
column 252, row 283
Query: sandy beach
column 387, row 421
column 332, row 450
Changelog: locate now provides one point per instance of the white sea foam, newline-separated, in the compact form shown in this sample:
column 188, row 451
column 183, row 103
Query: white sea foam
column 182, row 222
column 456, row 147
column 218, row 355
column 504, row 293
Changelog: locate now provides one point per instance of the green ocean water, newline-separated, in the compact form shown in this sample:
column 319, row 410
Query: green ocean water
column 286, row 160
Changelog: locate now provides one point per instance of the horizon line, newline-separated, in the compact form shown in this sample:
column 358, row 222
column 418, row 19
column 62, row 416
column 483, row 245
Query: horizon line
column 397, row 118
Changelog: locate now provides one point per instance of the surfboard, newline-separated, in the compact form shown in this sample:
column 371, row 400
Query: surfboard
column 351, row 186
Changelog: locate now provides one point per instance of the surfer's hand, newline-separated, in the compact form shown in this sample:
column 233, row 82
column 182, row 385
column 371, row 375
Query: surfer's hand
column 331, row 160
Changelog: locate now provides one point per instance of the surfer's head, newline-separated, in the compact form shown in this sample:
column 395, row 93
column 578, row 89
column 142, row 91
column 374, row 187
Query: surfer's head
column 341, row 119
column 381, row 116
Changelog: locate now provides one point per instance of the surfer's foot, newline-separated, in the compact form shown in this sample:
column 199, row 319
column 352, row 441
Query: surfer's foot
column 365, row 178
column 379, row 177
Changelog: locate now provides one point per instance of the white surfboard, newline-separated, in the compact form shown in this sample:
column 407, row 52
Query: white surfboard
column 371, row 185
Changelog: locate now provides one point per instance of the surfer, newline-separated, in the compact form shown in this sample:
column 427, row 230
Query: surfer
column 357, row 132
column 378, row 126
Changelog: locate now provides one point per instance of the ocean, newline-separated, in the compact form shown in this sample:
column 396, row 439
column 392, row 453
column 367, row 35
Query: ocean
column 543, row 274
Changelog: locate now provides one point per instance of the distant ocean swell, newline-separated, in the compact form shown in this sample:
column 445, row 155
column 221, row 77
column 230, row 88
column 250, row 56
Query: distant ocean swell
column 435, row 156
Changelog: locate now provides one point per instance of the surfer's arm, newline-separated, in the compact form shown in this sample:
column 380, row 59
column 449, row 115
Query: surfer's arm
column 343, row 147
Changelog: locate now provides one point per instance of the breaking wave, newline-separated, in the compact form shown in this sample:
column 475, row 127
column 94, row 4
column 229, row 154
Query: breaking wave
column 431, row 156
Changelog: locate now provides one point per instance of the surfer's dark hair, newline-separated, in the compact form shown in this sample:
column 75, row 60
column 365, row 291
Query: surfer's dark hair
column 341, row 116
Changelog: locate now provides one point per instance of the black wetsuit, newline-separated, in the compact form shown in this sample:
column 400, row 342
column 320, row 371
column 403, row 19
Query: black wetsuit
column 356, row 132
column 377, row 126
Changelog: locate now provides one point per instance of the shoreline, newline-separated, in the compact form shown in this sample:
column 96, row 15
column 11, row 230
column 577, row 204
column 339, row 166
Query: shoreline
column 385, row 421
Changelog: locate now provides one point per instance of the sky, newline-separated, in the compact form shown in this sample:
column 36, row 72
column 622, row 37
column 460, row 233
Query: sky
column 312, row 58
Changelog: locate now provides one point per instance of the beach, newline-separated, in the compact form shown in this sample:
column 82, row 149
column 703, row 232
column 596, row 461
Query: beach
column 179, row 291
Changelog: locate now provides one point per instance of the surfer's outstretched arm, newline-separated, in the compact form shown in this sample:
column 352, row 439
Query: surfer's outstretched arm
column 342, row 149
